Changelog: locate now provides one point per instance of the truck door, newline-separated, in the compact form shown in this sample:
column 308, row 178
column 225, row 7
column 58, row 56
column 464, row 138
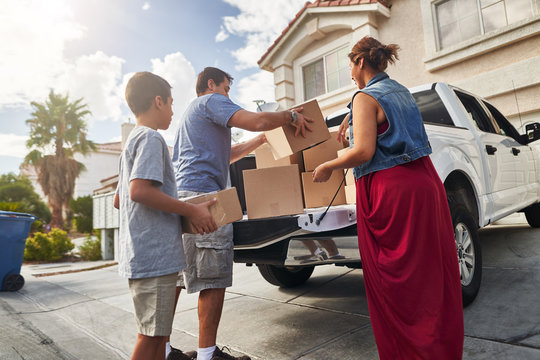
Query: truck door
column 524, row 166
column 499, row 161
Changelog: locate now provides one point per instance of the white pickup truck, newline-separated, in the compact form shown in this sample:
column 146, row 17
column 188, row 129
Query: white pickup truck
column 488, row 169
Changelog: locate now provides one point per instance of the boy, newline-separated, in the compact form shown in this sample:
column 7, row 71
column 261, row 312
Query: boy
column 150, row 245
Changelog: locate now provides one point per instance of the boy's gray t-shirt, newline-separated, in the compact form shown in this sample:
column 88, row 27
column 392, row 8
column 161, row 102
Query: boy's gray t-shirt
column 202, row 147
column 150, row 241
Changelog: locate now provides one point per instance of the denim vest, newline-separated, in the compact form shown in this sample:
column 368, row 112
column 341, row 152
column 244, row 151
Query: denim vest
column 405, row 139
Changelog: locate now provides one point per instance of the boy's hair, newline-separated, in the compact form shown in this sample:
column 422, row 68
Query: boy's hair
column 210, row 73
column 142, row 89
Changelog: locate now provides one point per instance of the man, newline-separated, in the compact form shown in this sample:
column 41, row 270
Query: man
column 201, row 158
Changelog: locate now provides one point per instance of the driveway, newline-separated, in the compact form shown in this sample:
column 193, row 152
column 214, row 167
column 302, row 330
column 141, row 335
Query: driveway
column 88, row 314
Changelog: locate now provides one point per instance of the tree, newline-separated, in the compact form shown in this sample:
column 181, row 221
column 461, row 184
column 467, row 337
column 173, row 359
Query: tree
column 17, row 194
column 83, row 211
column 57, row 132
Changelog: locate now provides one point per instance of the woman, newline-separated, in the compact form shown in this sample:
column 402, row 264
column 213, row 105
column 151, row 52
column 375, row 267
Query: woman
column 405, row 232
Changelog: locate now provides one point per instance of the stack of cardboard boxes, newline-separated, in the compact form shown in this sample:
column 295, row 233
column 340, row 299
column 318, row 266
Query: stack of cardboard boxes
column 282, row 182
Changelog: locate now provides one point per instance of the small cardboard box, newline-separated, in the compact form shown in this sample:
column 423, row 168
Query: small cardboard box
column 350, row 194
column 273, row 191
column 282, row 140
column 349, row 177
column 226, row 210
column 317, row 194
column 323, row 152
column 264, row 158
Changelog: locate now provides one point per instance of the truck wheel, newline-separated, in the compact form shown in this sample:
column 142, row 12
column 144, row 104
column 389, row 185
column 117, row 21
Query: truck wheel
column 468, row 251
column 532, row 213
column 285, row 276
column 13, row 282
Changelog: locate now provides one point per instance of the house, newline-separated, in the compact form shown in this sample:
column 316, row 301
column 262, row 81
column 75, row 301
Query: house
column 490, row 48
column 99, row 163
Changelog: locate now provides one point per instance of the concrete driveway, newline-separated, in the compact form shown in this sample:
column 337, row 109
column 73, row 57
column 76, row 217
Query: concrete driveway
column 88, row 314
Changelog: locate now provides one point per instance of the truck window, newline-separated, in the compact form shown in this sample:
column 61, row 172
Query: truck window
column 432, row 108
column 476, row 113
column 505, row 125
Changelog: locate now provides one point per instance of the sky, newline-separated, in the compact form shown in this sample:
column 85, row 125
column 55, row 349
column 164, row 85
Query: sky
column 90, row 48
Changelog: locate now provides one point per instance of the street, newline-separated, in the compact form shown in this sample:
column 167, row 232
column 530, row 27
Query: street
column 88, row 314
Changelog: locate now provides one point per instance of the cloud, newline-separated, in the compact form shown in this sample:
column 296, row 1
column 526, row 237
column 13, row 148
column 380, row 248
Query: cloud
column 95, row 78
column 259, row 86
column 222, row 35
column 146, row 6
column 13, row 145
column 32, row 38
column 180, row 74
column 33, row 35
column 257, row 27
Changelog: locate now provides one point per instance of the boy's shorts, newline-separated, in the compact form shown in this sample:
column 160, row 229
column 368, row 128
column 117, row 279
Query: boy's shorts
column 209, row 258
column 153, row 300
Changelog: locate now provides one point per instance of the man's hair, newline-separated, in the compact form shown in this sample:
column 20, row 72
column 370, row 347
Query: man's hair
column 210, row 73
column 142, row 89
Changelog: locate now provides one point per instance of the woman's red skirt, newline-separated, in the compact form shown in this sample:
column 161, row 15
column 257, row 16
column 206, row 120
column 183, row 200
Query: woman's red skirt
column 409, row 262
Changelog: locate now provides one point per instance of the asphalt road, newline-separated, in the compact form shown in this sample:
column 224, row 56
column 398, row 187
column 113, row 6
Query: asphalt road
column 88, row 314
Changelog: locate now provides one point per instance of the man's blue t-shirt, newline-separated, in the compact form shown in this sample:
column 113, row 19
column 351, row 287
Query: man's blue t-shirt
column 202, row 147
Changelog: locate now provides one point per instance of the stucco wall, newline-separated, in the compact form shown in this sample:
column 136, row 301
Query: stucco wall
column 501, row 66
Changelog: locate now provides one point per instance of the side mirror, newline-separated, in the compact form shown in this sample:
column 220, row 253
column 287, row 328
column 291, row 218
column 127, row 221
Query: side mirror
column 532, row 132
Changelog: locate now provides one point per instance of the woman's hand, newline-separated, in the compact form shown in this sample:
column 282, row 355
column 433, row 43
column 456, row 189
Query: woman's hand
column 342, row 131
column 322, row 173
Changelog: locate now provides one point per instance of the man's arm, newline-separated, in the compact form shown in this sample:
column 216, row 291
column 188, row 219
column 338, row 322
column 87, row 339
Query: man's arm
column 263, row 121
column 238, row 151
column 142, row 191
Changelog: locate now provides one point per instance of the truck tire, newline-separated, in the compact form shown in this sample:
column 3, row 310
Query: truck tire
column 532, row 213
column 468, row 251
column 285, row 276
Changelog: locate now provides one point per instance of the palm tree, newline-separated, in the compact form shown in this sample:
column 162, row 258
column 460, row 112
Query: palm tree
column 57, row 132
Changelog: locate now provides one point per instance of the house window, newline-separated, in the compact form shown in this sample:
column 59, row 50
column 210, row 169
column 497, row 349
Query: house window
column 459, row 20
column 327, row 74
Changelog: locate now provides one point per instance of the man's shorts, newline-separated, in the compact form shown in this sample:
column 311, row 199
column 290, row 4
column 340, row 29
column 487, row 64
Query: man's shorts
column 209, row 257
column 153, row 300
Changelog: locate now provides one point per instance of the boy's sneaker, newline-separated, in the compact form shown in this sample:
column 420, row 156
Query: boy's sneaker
column 220, row 355
column 177, row 354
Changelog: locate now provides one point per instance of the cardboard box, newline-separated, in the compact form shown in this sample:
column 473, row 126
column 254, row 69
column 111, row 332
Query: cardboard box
column 350, row 194
column 282, row 140
column 321, row 193
column 226, row 210
column 273, row 191
column 349, row 177
column 264, row 158
column 323, row 152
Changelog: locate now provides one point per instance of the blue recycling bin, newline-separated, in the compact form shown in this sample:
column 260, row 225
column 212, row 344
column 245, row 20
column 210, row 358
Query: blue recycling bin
column 14, row 228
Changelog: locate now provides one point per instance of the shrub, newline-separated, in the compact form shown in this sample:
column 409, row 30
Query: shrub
column 47, row 247
column 60, row 242
column 82, row 213
column 90, row 249
column 38, row 247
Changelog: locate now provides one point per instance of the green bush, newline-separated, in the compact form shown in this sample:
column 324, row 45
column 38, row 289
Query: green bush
column 47, row 247
column 90, row 249
column 82, row 213
column 38, row 247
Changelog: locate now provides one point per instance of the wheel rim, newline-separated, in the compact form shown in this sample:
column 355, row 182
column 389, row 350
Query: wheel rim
column 465, row 252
